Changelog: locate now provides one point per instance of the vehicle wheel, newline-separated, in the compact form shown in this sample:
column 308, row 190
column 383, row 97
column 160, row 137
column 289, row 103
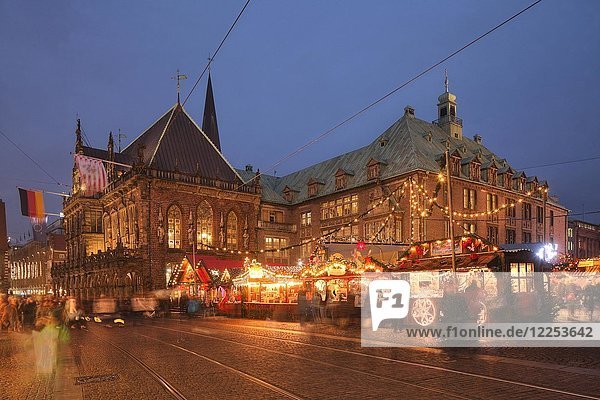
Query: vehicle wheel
column 424, row 312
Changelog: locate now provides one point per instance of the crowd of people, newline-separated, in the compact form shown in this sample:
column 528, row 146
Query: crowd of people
column 27, row 313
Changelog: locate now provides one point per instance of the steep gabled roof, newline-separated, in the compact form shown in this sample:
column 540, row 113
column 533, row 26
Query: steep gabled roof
column 176, row 143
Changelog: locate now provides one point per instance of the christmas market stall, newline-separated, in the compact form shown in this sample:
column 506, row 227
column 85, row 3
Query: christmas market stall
column 264, row 293
column 190, row 278
column 428, row 266
column 334, row 286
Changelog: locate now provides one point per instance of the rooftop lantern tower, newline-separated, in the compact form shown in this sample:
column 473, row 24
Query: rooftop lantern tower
column 447, row 116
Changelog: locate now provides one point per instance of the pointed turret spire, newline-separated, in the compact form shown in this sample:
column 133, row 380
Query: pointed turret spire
column 111, row 143
column 209, row 120
column 78, row 140
column 110, row 167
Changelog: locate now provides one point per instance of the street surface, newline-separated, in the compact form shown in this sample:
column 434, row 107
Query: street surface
column 242, row 359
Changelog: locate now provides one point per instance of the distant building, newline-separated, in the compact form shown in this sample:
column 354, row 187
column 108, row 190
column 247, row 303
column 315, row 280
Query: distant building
column 583, row 239
column 181, row 193
column 4, row 247
column 31, row 263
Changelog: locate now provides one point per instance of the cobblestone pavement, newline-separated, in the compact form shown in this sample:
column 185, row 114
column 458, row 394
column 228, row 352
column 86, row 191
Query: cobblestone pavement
column 20, row 379
column 241, row 359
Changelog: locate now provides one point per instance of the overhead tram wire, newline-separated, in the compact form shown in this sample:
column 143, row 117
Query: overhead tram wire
column 31, row 159
column 384, row 97
column 562, row 163
column 210, row 60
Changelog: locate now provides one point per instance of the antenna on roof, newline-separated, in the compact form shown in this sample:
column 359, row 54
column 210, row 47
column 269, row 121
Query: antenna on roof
column 179, row 77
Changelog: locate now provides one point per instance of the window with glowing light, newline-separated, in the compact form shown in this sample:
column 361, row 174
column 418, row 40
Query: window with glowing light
column 521, row 277
column 492, row 202
column 469, row 227
column 305, row 218
column 204, row 225
column 469, row 199
column 232, row 231
column 174, row 227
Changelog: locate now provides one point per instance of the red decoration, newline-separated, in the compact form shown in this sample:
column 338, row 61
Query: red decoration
column 420, row 251
column 473, row 256
column 361, row 246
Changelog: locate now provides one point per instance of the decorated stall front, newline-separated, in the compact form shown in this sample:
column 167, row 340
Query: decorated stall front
column 338, row 279
column 259, row 292
column 427, row 266
column 190, row 278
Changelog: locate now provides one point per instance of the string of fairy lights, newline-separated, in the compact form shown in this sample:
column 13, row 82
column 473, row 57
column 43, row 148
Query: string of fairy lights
column 421, row 204
column 329, row 233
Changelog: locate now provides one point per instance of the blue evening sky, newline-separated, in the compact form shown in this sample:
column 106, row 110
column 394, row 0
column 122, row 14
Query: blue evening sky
column 292, row 69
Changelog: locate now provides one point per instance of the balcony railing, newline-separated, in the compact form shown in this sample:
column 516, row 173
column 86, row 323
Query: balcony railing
column 278, row 226
column 447, row 119
column 170, row 176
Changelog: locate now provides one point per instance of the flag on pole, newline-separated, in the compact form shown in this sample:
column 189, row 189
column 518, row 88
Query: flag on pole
column 32, row 204
column 92, row 174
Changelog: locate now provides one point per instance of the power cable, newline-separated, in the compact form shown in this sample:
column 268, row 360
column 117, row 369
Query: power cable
column 31, row 159
column 414, row 78
column 210, row 60
column 562, row 163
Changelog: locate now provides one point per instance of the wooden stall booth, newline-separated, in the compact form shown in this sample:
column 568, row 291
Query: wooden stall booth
column 265, row 293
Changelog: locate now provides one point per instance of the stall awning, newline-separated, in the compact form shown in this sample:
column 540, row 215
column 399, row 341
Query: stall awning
column 462, row 262
column 220, row 264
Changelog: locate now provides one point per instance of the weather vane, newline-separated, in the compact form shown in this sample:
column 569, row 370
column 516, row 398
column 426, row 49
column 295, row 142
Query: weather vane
column 446, row 80
column 179, row 77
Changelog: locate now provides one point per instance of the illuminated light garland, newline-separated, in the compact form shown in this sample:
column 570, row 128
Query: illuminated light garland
column 312, row 240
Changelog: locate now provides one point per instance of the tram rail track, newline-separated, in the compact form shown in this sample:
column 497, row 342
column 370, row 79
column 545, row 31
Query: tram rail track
column 380, row 358
column 167, row 386
column 245, row 375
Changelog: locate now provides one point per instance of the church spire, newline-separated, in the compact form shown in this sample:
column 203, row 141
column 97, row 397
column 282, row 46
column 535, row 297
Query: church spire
column 209, row 120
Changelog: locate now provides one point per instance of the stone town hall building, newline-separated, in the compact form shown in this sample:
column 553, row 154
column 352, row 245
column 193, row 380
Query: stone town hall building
column 181, row 191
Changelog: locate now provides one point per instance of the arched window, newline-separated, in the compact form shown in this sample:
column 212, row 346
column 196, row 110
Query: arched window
column 174, row 227
column 123, row 234
column 232, row 233
column 106, row 231
column 204, row 225
column 131, row 217
column 114, row 224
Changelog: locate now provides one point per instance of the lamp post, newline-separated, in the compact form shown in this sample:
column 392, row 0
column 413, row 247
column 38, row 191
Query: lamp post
column 450, row 214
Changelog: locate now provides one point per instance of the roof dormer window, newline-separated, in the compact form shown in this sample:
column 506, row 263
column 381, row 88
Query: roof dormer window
column 341, row 182
column 313, row 187
column 289, row 194
column 341, row 178
column 374, row 169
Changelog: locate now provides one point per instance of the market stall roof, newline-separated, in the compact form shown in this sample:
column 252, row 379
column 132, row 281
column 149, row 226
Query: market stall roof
column 220, row 264
column 191, row 271
column 463, row 261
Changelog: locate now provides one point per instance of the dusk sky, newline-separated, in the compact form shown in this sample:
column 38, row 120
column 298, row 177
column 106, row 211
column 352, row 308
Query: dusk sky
column 292, row 69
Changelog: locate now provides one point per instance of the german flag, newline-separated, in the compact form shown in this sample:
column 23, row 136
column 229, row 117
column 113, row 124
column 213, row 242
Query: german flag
column 32, row 203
